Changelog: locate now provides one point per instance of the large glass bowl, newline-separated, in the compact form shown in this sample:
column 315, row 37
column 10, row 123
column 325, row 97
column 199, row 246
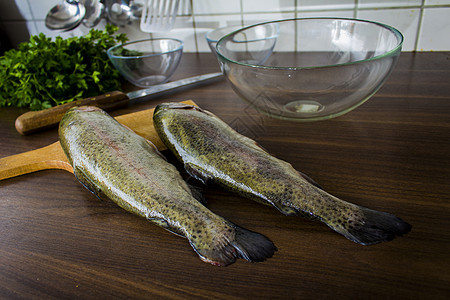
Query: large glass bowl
column 316, row 68
column 147, row 62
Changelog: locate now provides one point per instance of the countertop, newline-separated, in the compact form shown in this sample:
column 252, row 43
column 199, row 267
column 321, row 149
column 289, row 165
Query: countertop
column 391, row 154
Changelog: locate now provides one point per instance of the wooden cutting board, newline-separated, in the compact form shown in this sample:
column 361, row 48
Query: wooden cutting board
column 53, row 157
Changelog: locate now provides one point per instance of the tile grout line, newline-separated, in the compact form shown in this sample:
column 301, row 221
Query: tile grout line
column 419, row 26
column 296, row 30
column 355, row 9
column 241, row 12
column 32, row 17
column 194, row 27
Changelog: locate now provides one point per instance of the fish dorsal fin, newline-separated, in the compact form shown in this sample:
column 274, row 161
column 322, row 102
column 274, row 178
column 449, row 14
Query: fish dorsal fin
column 197, row 173
column 89, row 184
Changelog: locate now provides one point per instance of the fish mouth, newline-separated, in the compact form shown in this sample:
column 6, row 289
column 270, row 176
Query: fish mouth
column 174, row 105
column 85, row 108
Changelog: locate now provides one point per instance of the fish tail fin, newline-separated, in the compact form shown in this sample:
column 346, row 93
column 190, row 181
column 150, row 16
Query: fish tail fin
column 248, row 245
column 372, row 227
column 253, row 246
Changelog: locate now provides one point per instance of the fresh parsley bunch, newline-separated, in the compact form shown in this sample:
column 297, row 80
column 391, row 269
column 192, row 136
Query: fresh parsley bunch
column 42, row 73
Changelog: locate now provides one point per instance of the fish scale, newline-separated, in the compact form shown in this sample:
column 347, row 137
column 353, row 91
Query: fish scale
column 111, row 160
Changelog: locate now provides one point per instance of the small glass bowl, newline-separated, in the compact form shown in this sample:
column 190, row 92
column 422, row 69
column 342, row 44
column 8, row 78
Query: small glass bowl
column 147, row 62
column 267, row 35
column 318, row 68
column 214, row 35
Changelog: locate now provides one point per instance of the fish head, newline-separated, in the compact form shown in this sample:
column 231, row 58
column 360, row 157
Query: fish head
column 76, row 114
column 81, row 109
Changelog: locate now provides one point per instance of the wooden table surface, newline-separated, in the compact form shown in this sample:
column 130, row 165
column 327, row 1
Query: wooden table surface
column 391, row 154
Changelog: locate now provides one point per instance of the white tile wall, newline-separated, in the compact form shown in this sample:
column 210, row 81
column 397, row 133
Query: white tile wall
column 208, row 7
column 387, row 3
column 424, row 23
column 250, row 19
column 405, row 19
column 324, row 5
column 329, row 13
column 257, row 6
column 435, row 30
column 437, row 2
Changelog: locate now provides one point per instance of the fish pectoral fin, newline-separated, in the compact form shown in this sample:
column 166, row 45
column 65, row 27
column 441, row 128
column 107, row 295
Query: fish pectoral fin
column 164, row 224
column 197, row 173
column 89, row 184
column 286, row 210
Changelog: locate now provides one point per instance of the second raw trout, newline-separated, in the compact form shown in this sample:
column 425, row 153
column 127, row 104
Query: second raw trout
column 212, row 151
column 110, row 159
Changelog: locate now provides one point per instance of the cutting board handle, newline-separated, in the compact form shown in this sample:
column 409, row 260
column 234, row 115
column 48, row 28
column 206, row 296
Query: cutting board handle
column 49, row 157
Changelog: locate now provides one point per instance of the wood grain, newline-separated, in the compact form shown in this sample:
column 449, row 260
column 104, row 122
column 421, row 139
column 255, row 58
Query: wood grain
column 391, row 154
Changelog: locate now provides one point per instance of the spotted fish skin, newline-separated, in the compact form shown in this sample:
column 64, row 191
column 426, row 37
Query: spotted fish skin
column 212, row 151
column 111, row 160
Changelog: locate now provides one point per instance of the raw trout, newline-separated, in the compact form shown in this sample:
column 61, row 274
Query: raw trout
column 212, row 151
column 111, row 160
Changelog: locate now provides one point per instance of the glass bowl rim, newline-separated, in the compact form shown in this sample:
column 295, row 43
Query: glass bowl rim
column 391, row 52
column 208, row 38
column 110, row 54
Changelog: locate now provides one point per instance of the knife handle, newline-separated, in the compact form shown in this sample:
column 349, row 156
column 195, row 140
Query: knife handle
column 33, row 121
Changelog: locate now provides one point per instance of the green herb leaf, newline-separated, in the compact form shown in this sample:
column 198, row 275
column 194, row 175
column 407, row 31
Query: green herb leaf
column 43, row 73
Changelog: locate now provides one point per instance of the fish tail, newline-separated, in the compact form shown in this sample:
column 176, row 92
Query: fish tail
column 248, row 245
column 253, row 246
column 368, row 226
